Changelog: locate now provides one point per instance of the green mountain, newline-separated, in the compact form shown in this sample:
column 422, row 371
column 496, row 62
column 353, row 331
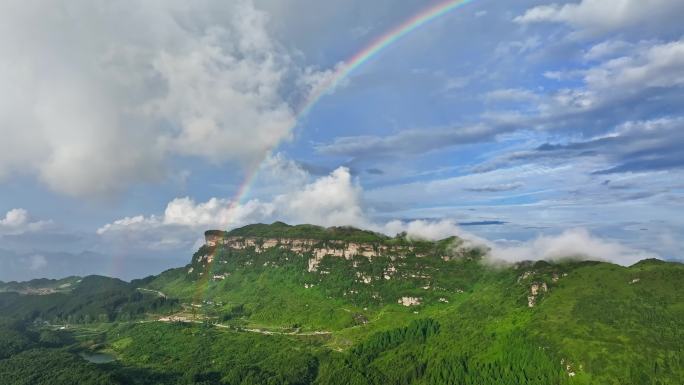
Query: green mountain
column 280, row 304
column 40, row 286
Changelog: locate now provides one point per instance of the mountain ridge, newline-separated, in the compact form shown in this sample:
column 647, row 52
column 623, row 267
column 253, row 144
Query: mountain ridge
column 403, row 314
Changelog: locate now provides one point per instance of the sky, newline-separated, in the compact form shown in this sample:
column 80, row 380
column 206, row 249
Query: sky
column 538, row 129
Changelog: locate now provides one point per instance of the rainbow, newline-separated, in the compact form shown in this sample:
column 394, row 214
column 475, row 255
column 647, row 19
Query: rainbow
column 378, row 45
column 343, row 71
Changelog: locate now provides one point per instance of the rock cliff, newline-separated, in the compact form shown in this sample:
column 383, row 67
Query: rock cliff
column 316, row 249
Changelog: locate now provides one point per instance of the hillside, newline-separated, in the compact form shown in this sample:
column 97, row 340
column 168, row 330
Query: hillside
column 280, row 304
column 40, row 286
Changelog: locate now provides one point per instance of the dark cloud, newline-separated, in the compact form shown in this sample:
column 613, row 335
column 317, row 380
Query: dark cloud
column 482, row 223
column 374, row 171
column 640, row 146
column 497, row 188
column 408, row 142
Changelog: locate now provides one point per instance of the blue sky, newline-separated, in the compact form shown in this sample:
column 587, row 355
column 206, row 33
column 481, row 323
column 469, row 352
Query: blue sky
column 542, row 128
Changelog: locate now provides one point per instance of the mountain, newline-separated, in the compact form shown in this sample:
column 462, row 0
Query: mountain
column 41, row 286
column 280, row 304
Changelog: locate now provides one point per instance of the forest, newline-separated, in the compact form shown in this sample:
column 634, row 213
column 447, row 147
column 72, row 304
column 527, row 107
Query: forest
column 415, row 319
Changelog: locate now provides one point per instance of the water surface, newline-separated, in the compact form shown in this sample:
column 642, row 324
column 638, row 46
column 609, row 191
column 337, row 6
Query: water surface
column 98, row 357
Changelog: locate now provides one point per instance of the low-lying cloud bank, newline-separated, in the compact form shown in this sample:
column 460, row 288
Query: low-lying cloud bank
column 574, row 243
column 336, row 200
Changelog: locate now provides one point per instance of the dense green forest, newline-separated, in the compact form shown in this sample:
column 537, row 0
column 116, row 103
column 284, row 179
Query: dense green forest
column 437, row 314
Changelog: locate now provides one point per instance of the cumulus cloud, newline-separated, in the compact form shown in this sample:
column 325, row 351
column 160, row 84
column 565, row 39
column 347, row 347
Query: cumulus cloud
column 577, row 243
column 336, row 200
column 136, row 84
column 329, row 200
column 598, row 16
column 18, row 221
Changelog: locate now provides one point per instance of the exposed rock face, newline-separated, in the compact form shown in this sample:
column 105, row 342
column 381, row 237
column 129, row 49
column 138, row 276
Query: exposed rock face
column 535, row 289
column 220, row 277
column 316, row 248
column 409, row 301
column 363, row 278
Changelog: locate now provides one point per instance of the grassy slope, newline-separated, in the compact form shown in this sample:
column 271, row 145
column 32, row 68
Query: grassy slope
column 601, row 326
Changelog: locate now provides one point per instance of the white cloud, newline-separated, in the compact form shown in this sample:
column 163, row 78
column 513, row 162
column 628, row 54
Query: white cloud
column 660, row 65
column 330, row 200
column 571, row 243
column 613, row 86
column 98, row 95
column 18, row 221
column 511, row 95
column 608, row 49
column 431, row 230
column 598, row 16
column 15, row 218
column 336, row 200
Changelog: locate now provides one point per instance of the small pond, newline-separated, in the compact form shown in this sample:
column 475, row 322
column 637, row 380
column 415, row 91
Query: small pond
column 97, row 357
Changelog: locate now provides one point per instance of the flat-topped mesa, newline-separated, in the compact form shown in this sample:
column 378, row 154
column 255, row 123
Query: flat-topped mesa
column 317, row 242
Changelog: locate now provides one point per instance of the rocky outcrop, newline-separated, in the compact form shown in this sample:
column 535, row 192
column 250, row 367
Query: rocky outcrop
column 409, row 301
column 317, row 249
column 535, row 289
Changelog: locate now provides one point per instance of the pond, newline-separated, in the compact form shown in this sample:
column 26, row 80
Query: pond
column 97, row 357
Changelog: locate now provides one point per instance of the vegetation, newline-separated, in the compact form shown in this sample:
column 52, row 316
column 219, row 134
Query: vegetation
column 282, row 230
column 94, row 299
column 253, row 317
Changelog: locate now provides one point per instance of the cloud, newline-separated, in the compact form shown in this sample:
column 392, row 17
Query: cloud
column 18, row 221
column 639, row 86
column 406, row 142
column 497, row 188
column 37, row 262
column 634, row 146
column 608, row 49
column 335, row 200
column 656, row 66
column 431, row 230
column 511, row 95
column 330, row 200
column 577, row 243
column 642, row 89
column 598, row 16
column 100, row 95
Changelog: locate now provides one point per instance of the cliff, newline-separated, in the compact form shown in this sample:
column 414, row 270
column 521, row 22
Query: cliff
column 318, row 242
